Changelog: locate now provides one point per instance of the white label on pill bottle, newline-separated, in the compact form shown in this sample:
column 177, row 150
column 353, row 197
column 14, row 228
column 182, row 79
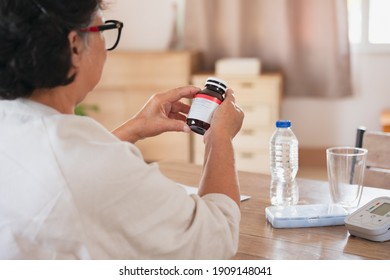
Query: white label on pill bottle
column 203, row 107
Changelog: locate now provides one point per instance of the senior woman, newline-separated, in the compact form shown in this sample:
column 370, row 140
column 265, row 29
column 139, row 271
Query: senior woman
column 69, row 189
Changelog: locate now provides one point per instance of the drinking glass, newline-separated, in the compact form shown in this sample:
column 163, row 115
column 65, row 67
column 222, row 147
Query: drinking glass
column 346, row 167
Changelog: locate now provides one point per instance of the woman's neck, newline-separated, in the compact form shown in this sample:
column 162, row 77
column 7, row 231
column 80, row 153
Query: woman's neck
column 57, row 98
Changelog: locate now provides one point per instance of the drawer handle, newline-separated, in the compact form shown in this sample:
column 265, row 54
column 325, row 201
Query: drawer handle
column 247, row 131
column 246, row 155
column 247, row 108
column 247, row 85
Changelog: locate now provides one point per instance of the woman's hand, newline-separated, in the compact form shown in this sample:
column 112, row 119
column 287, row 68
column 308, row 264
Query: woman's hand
column 163, row 112
column 227, row 118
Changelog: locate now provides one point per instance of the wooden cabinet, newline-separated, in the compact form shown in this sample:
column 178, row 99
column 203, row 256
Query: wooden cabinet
column 128, row 81
column 259, row 97
column 385, row 120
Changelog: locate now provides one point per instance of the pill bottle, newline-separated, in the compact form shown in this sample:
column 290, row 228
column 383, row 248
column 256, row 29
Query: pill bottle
column 204, row 104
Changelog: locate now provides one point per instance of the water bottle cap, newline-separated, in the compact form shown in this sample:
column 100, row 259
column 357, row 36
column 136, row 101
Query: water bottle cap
column 283, row 124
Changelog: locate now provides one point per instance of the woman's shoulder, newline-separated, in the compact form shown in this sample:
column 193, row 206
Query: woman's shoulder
column 81, row 144
column 78, row 127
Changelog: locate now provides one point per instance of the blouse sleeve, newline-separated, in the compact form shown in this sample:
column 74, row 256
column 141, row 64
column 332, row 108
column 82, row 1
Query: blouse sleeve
column 129, row 210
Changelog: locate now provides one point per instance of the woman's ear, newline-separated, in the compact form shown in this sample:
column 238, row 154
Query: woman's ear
column 76, row 48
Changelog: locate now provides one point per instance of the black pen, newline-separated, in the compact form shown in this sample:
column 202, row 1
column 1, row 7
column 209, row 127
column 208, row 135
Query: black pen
column 358, row 144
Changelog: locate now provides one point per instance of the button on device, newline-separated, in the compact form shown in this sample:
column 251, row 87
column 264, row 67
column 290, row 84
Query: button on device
column 361, row 218
column 378, row 221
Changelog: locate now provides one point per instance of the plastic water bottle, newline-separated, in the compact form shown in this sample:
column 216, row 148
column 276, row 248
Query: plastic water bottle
column 283, row 165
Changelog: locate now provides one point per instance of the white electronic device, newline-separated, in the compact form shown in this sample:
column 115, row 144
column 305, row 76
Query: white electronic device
column 309, row 215
column 372, row 221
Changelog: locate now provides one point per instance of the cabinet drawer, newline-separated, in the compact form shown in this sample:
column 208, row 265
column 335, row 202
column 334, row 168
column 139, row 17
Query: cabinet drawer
column 253, row 162
column 245, row 160
column 250, row 138
column 257, row 115
column 260, row 94
column 251, row 154
column 161, row 70
column 263, row 89
column 171, row 145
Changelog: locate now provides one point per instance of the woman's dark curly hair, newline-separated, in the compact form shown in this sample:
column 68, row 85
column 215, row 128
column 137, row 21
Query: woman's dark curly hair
column 34, row 47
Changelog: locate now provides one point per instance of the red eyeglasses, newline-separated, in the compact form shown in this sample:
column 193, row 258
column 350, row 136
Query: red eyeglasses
column 112, row 32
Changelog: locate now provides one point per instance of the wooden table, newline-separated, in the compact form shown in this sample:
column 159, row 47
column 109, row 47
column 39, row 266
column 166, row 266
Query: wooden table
column 259, row 240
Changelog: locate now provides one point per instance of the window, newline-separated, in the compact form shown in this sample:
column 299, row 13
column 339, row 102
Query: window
column 369, row 25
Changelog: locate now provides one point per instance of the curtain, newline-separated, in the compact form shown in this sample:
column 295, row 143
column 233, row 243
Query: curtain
column 305, row 40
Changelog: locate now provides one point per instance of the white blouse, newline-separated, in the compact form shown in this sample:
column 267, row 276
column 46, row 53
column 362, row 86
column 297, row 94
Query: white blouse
column 69, row 189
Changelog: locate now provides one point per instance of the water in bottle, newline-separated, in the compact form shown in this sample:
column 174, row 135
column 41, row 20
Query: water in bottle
column 283, row 165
